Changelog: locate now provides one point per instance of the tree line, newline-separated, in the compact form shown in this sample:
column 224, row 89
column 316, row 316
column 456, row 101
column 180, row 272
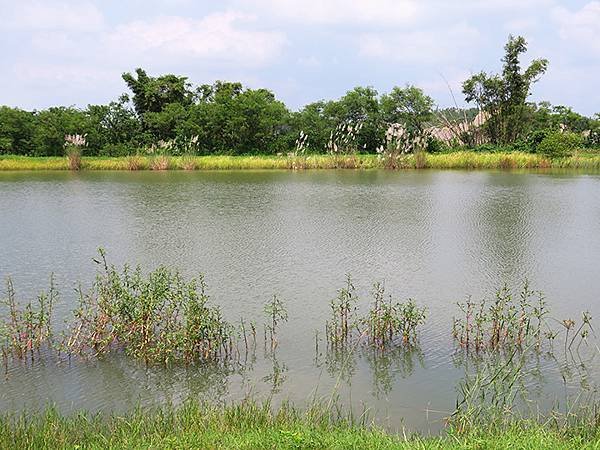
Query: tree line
column 229, row 118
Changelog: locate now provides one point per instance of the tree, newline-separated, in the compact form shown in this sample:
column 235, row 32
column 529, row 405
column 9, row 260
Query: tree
column 503, row 97
column 359, row 105
column 408, row 106
column 231, row 119
column 52, row 125
column 17, row 128
column 154, row 94
column 160, row 102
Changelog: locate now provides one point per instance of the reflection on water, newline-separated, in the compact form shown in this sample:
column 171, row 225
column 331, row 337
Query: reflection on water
column 432, row 236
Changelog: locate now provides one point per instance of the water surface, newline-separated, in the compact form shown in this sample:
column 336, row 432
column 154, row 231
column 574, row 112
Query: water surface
column 434, row 236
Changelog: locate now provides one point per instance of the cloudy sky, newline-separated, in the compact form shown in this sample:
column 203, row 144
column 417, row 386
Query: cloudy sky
column 72, row 52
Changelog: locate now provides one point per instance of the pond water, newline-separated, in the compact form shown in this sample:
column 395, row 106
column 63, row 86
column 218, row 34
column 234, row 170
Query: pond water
column 434, row 236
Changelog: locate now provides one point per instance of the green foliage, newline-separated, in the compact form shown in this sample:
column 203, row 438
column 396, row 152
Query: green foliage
column 557, row 144
column 503, row 97
column 227, row 118
column 52, row 125
column 25, row 331
column 408, row 106
column 157, row 318
column 17, row 128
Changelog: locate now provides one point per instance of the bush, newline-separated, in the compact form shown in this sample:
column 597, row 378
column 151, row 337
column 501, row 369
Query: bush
column 536, row 137
column 435, row 145
column 118, row 150
column 559, row 144
column 521, row 146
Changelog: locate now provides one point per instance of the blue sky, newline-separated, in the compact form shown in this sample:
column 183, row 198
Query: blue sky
column 72, row 52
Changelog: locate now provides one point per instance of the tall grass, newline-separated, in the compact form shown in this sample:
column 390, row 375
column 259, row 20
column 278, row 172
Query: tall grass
column 252, row 425
column 421, row 160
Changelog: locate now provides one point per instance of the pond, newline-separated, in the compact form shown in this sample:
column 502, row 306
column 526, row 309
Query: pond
column 433, row 236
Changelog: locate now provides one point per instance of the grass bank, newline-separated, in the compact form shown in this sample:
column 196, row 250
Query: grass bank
column 254, row 426
column 456, row 160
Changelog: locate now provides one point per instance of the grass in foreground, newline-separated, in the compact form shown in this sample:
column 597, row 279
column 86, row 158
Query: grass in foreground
column 251, row 425
column 455, row 160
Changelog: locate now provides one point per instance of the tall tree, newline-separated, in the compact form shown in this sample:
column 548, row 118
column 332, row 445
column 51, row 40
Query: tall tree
column 504, row 97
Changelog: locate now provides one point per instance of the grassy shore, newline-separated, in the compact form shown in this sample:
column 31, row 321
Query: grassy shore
column 253, row 426
column 455, row 160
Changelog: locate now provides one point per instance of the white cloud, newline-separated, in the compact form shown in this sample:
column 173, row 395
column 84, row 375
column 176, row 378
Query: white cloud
column 580, row 28
column 216, row 37
column 27, row 15
column 422, row 46
column 340, row 11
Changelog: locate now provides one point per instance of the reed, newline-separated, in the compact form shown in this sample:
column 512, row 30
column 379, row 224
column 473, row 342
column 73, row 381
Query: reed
column 187, row 163
column 74, row 143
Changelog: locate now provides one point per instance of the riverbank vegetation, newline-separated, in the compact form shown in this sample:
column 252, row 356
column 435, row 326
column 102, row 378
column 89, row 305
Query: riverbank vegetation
column 166, row 122
column 250, row 425
column 159, row 318
column 468, row 160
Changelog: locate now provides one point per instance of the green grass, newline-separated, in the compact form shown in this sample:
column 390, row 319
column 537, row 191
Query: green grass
column 249, row 425
column 454, row 160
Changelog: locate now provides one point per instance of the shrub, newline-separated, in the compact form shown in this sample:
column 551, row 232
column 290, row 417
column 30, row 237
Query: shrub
column 117, row 150
column 535, row 138
column 559, row 144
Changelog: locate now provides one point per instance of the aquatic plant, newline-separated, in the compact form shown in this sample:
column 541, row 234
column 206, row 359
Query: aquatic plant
column 343, row 309
column 157, row 318
column 508, row 323
column 386, row 324
column 399, row 142
column 25, row 331
column 134, row 162
column 342, row 146
column 276, row 313
column 389, row 323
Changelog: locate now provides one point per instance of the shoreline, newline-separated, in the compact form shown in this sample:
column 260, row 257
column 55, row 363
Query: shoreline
column 466, row 160
column 257, row 425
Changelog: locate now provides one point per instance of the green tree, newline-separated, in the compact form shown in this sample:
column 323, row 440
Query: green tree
column 160, row 102
column 51, row 127
column 408, row 106
column 230, row 119
column 113, row 129
column 503, row 97
column 17, row 128
column 359, row 105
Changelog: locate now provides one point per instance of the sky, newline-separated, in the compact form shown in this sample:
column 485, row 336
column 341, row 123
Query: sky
column 73, row 52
